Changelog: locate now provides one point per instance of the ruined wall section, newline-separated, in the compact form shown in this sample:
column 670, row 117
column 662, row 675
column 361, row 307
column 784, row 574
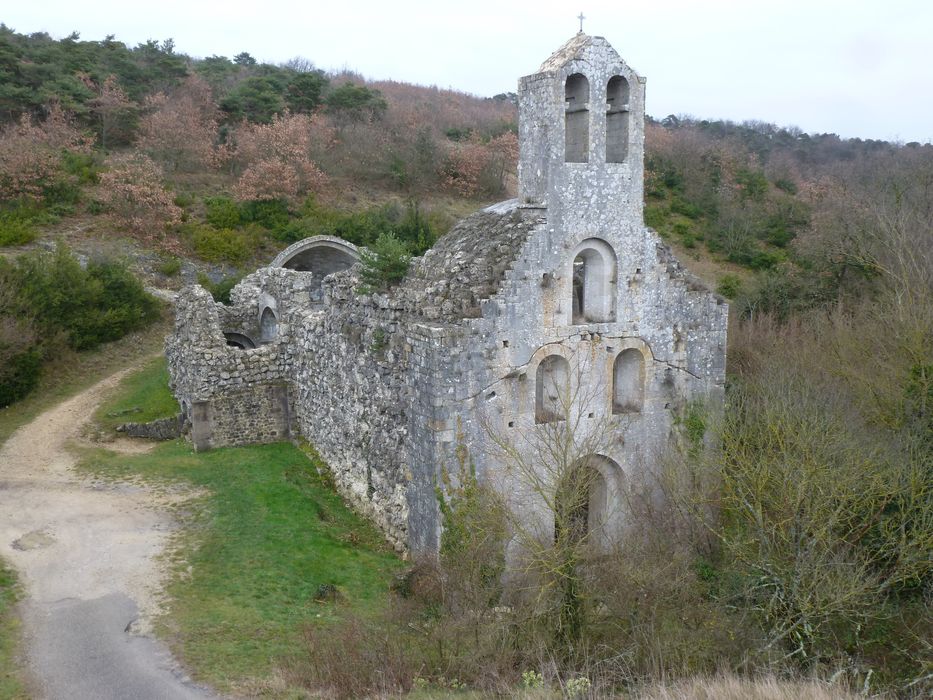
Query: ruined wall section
column 231, row 396
column 364, row 379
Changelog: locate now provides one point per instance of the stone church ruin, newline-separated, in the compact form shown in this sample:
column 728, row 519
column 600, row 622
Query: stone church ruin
column 559, row 301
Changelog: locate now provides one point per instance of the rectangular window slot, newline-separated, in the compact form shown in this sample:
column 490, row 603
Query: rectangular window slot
column 589, row 415
column 505, row 343
column 511, row 423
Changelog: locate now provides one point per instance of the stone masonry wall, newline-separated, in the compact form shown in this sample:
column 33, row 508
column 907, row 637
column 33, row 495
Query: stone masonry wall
column 365, row 391
column 231, row 396
column 388, row 386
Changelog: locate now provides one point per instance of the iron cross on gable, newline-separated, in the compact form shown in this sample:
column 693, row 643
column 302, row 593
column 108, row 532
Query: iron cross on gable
column 581, row 18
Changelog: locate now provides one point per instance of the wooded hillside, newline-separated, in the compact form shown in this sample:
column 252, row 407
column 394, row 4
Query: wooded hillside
column 817, row 555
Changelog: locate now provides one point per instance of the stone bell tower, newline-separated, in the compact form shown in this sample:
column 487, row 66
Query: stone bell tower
column 581, row 129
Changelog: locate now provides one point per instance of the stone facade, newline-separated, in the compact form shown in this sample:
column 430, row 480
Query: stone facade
column 560, row 294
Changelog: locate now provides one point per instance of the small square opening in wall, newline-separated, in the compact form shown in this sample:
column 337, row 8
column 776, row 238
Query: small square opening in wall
column 511, row 423
column 589, row 415
column 637, row 270
column 491, row 395
column 609, row 348
column 505, row 343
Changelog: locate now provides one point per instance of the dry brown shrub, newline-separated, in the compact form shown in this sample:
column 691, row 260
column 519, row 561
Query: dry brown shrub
column 276, row 159
column 730, row 687
column 181, row 130
column 354, row 659
column 133, row 191
column 31, row 153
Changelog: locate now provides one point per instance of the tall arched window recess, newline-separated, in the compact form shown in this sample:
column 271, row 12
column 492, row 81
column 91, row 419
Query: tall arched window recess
column 552, row 389
column 268, row 326
column 617, row 119
column 628, row 382
column 584, row 500
column 593, row 277
column 576, row 119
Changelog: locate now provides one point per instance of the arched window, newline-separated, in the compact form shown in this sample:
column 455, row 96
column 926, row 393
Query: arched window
column 617, row 115
column 582, row 500
column 552, row 389
column 268, row 325
column 239, row 340
column 576, row 119
column 628, row 382
column 592, row 289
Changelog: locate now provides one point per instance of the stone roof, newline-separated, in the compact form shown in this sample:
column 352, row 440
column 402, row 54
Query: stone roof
column 573, row 49
column 468, row 264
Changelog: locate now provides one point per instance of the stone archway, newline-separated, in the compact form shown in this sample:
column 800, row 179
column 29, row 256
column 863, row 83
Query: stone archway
column 587, row 498
column 319, row 255
column 239, row 340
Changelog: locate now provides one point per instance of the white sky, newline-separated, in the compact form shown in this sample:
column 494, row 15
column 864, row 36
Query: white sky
column 852, row 67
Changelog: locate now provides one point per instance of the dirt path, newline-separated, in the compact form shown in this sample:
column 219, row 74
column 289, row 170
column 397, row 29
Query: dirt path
column 86, row 553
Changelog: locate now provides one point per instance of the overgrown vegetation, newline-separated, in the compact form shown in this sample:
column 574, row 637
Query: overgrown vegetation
column 48, row 302
column 385, row 263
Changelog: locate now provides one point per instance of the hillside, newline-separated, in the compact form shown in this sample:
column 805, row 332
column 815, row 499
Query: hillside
column 800, row 545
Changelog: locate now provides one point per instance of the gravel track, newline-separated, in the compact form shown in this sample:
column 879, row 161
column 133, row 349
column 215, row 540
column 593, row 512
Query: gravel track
column 86, row 553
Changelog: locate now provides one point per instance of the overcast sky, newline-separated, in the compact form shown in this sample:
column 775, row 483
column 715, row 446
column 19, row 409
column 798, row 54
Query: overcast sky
column 852, row 67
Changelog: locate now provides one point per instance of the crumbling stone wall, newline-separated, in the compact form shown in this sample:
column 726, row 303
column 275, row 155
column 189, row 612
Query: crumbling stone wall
column 232, row 396
column 388, row 387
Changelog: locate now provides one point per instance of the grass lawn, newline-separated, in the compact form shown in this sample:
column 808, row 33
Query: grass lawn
column 10, row 685
column 143, row 396
column 256, row 550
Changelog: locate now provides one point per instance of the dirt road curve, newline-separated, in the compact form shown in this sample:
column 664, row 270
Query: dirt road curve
column 86, row 553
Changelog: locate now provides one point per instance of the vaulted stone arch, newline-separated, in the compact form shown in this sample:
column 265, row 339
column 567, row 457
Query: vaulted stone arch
column 617, row 119
column 320, row 255
column 629, row 371
column 239, row 340
column 587, row 499
column 552, row 389
column 576, row 119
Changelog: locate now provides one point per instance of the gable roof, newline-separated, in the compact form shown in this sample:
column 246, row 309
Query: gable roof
column 468, row 264
column 577, row 48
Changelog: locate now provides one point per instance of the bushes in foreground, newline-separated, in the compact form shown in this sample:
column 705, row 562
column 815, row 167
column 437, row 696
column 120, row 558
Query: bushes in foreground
column 799, row 547
column 49, row 302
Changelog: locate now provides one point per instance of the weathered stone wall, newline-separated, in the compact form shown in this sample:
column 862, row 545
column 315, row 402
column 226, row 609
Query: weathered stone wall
column 259, row 413
column 160, row 429
column 231, row 396
column 389, row 386
column 353, row 400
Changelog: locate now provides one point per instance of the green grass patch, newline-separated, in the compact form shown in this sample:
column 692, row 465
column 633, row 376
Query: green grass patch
column 143, row 396
column 255, row 552
column 10, row 681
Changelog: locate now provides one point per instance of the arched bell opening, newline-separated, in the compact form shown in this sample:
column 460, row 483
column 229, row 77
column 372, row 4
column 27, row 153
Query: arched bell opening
column 576, row 119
